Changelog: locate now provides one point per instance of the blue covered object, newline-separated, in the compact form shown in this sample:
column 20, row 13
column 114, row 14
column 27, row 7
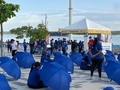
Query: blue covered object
column 55, row 76
column 46, row 57
column 108, row 88
column 84, row 65
column 24, row 59
column 116, row 76
column 109, row 58
column 76, row 57
column 57, row 53
column 110, row 67
column 33, row 77
column 110, row 53
column 118, row 57
column 10, row 67
column 64, row 61
column 4, row 83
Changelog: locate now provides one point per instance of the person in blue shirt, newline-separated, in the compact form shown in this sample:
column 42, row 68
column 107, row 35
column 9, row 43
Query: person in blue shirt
column 64, row 47
column 46, row 57
column 34, row 80
column 25, row 45
column 52, row 45
column 97, row 56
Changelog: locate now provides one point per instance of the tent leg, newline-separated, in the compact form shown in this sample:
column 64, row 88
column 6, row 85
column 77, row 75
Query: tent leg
column 85, row 42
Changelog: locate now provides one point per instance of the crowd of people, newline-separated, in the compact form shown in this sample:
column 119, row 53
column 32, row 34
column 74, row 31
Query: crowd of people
column 40, row 46
column 95, row 50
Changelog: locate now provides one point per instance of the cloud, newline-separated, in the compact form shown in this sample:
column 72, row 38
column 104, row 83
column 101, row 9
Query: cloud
column 59, row 19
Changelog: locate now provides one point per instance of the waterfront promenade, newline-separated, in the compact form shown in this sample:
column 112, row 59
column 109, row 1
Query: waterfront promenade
column 80, row 79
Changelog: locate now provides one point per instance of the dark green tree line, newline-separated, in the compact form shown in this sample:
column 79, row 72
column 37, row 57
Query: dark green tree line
column 40, row 32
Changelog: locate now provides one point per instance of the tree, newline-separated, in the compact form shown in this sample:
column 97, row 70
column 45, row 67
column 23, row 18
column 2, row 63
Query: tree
column 21, row 31
column 40, row 32
column 7, row 11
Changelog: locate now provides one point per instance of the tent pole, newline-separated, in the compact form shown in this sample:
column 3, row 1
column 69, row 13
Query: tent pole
column 86, row 42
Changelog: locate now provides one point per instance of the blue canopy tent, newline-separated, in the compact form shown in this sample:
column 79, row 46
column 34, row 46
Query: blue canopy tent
column 46, row 57
column 4, row 83
column 24, row 59
column 108, row 88
column 109, row 58
column 110, row 53
column 10, row 67
column 76, row 57
column 116, row 76
column 55, row 76
column 65, row 61
column 110, row 67
column 118, row 57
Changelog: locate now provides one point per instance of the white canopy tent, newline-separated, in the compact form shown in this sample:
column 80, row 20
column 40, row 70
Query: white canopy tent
column 85, row 26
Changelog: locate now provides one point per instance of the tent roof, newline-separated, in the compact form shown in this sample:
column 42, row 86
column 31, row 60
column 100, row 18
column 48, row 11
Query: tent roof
column 86, row 26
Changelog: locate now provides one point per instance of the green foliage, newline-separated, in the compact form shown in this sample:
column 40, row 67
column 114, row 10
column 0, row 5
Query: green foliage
column 7, row 10
column 33, row 33
column 42, row 30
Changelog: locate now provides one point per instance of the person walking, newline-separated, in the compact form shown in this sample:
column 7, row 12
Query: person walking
column 97, row 56
column 14, row 46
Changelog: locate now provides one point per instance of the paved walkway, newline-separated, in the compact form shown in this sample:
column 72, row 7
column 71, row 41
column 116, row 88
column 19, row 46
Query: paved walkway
column 80, row 80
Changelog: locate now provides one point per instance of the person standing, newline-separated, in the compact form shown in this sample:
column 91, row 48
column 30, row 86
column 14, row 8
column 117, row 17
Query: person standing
column 14, row 46
column 9, row 48
column 31, row 43
column 64, row 46
column 52, row 45
column 90, row 42
column 74, row 46
column 80, row 46
column 25, row 45
column 97, row 56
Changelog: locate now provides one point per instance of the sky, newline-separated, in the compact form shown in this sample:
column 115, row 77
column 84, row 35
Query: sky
column 104, row 12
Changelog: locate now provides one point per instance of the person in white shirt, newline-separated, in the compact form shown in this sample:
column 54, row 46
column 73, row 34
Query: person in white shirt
column 14, row 47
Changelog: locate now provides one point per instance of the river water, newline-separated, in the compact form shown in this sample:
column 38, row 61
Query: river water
column 115, row 38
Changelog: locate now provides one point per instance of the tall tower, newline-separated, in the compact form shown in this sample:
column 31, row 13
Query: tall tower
column 70, row 12
column 70, row 17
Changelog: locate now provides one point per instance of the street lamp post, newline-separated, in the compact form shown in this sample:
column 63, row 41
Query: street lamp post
column 70, row 12
column 70, row 17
